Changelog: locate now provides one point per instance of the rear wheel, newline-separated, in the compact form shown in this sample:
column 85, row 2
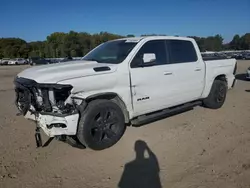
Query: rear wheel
column 102, row 124
column 217, row 95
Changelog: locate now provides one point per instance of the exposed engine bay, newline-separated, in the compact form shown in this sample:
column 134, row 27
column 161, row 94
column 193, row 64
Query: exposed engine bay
column 50, row 106
column 43, row 98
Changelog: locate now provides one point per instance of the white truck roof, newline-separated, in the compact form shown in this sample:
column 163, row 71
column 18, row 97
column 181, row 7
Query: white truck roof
column 137, row 39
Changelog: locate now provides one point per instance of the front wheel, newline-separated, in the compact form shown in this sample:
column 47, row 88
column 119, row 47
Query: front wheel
column 217, row 95
column 102, row 124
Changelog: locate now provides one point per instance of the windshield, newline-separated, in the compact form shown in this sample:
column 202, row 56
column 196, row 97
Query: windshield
column 113, row 52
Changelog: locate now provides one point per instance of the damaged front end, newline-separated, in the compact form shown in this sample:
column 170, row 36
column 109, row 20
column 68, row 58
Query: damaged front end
column 49, row 105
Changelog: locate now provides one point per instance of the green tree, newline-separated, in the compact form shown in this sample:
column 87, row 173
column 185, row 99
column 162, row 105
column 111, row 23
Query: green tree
column 130, row 35
column 60, row 44
column 245, row 41
column 235, row 44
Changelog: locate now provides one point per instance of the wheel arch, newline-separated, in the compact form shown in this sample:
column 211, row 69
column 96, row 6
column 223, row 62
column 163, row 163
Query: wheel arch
column 221, row 77
column 113, row 97
column 208, row 87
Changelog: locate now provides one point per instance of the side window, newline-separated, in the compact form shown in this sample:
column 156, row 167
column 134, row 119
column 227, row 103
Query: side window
column 181, row 51
column 157, row 47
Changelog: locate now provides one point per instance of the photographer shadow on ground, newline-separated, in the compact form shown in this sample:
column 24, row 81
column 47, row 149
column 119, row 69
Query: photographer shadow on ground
column 143, row 171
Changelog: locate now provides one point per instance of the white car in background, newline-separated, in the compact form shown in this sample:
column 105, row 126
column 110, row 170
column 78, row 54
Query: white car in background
column 248, row 74
column 4, row 61
column 17, row 61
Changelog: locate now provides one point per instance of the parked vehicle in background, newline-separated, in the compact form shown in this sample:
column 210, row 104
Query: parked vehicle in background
column 120, row 82
column 222, row 55
column 5, row 61
column 248, row 74
column 246, row 56
column 38, row 61
column 17, row 61
column 66, row 59
column 53, row 60
column 235, row 55
column 229, row 55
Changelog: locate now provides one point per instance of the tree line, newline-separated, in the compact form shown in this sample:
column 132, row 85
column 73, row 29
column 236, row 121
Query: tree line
column 77, row 44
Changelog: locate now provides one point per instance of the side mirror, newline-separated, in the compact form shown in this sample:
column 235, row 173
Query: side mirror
column 149, row 58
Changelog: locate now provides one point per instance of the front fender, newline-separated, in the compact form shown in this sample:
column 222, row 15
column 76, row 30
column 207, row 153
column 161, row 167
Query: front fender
column 92, row 94
column 105, row 95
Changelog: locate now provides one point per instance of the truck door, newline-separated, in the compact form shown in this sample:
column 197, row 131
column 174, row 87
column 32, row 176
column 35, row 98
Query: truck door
column 149, row 81
column 188, row 71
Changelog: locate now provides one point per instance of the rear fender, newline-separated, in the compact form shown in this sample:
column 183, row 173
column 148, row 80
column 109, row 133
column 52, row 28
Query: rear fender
column 228, row 79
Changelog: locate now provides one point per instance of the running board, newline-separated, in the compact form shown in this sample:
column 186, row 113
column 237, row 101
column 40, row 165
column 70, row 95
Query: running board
column 163, row 113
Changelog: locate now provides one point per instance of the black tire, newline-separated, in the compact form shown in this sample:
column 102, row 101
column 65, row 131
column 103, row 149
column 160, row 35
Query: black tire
column 101, row 125
column 217, row 95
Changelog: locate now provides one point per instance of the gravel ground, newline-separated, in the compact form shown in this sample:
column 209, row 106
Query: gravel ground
column 200, row 148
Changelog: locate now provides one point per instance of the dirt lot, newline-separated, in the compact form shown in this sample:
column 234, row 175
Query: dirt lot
column 200, row 148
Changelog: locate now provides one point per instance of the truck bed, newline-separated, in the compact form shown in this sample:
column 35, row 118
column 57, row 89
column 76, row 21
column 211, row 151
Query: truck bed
column 216, row 67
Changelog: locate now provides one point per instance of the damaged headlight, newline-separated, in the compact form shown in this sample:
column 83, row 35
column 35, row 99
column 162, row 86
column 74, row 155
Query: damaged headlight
column 44, row 98
column 54, row 99
column 58, row 97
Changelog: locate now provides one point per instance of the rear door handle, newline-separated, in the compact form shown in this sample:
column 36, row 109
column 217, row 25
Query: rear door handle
column 167, row 73
column 198, row 69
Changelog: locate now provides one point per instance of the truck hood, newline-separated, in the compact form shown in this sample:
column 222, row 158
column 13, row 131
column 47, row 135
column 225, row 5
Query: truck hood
column 54, row 73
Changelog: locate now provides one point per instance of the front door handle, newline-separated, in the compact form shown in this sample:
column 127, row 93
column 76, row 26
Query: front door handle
column 133, row 90
column 198, row 69
column 167, row 73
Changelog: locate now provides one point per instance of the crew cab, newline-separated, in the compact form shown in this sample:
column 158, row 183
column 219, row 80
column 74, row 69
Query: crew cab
column 121, row 82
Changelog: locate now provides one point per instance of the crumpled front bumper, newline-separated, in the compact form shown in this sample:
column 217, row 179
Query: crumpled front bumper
column 53, row 125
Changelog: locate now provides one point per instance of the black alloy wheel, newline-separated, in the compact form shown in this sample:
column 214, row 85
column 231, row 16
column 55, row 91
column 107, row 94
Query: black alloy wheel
column 221, row 94
column 217, row 95
column 102, row 125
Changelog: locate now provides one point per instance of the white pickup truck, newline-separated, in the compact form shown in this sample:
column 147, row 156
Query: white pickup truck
column 121, row 82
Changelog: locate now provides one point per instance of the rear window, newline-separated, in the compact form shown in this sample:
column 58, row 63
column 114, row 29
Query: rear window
column 181, row 51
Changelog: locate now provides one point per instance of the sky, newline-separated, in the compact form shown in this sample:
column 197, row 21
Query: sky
column 34, row 20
